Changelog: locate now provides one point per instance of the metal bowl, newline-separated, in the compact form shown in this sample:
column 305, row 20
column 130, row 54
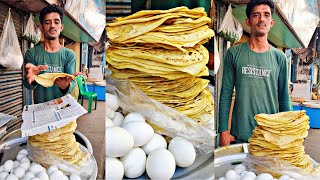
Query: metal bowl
column 79, row 137
column 226, row 156
column 10, row 148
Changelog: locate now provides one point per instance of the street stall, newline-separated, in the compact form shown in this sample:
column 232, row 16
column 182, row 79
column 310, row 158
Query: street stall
column 158, row 106
column 276, row 148
column 14, row 97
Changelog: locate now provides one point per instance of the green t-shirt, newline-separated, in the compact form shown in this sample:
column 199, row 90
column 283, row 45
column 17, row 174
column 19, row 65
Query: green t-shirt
column 62, row 61
column 261, row 84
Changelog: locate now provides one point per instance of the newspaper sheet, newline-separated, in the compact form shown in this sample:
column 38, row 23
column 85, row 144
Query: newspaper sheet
column 47, row 116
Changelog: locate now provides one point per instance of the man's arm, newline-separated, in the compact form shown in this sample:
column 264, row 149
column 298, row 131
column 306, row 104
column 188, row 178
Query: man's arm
column 283, row 87
column 228, row 82
column 28, row 59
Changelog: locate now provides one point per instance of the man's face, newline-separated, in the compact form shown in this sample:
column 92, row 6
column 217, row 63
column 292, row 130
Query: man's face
column 260, row 20
column 52, row 26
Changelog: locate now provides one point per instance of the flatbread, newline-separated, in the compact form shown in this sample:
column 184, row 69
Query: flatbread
column 47, row 79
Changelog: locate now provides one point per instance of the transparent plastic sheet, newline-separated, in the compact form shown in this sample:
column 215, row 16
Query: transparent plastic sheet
column 274, row 165
column 32, row 33
column 230, row 28
column 131, row 99
column 46, row 158
column 10, row 53
column 5, row 118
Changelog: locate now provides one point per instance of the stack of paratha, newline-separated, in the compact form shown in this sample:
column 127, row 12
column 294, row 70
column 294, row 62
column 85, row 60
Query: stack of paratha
column 161, row 52
column 281, row 135
column 61, row 142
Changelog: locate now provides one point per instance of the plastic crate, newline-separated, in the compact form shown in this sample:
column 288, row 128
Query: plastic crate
column 314, row 116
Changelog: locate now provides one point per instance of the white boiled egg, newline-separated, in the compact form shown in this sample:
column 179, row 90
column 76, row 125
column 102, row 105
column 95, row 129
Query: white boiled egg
column 114, row 169
column 8, row 166
column 243, row 173
column 51, row 169
column 19, row 172
column 118, row 119
column 25, row 165
column 160, row 164
column 134, row 117
column 25, row 159
column 35, row 168
column 264, row 176
column 232, row 175
column 24, row 152
column 11, row 177
column 56, row 175
column 118, row 141
column 36, row 178
column 28, row 175
column 109, row 112
column 20, row 156
column 108, row 122
column 141, row 132
column 247, row 177
column 157, row 142
column 3, row 175
column 239, row 168
column 16, row 164
column 42, row 175
column 112, row 101
column 183, row 151
column 74, row 177
column 134, row 163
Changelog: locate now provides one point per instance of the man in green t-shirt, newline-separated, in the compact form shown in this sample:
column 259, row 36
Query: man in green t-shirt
column 51, row 57
column 258, row 72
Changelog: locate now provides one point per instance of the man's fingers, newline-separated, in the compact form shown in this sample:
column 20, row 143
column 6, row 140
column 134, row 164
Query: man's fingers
column 29, row 65
column 43, row 67
column 232, row 138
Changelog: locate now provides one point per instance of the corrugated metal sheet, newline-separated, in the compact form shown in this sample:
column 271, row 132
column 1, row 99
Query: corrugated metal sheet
column 11, row 95
column 117, row 8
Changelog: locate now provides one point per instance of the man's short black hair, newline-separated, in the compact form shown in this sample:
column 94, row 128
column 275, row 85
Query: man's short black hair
column 49, row 9
column 253, row 3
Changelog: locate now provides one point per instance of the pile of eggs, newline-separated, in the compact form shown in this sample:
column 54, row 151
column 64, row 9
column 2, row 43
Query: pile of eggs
column 132, row 147
column 240, row 173
column 22, row 168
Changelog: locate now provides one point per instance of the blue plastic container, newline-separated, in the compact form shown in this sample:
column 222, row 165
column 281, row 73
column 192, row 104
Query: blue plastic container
column 314, row 116
column 101, row 92
column 297, row 107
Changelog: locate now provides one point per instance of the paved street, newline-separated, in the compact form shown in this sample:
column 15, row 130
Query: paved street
column 92, row 126
column 312, row 144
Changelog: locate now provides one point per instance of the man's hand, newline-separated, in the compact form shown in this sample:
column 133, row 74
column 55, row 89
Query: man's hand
column 63, row 82
column 32, row 71
column 226, row 138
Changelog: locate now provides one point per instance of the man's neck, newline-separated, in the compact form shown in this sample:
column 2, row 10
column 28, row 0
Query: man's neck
column 259, row 44
column 51, row 45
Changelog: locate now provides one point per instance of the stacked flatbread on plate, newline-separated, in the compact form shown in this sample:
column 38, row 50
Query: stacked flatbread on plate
column 62, row 143
column 161, row 52
column 281, row 135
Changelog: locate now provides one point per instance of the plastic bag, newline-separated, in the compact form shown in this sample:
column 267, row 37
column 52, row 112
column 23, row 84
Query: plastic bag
column 230, row 29
column 32, row 33
column 277, row 167
column 132, row 99
column 10, row 53
column 86, row 170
